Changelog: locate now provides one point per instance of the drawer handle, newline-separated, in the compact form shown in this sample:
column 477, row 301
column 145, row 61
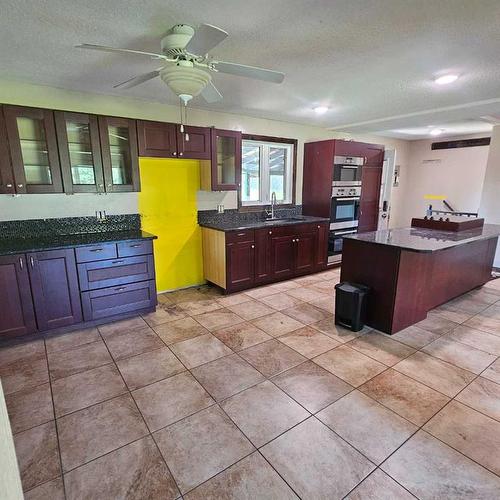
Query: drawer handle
column 136, row 246
column 21, row 265
column 270, row 232
column 253, row 246
column 240, row 234
column 117, row 262
column 120, row 289
column 96, row 250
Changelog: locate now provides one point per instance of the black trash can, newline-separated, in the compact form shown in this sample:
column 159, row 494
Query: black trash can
column 350, row 305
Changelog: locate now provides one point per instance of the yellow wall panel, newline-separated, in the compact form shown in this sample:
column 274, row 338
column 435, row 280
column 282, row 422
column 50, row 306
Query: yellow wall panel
column 167, row 203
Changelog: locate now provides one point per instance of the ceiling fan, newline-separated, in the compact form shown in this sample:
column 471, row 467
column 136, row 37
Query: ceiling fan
column 186, row 66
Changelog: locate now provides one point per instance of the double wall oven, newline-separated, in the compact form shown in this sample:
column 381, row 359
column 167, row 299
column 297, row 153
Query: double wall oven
column 344, row 208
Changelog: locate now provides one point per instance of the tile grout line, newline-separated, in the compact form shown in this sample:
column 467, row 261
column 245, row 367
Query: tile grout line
column 55, row 421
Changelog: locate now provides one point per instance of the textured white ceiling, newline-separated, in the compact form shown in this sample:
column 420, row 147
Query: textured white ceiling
column 368, row 60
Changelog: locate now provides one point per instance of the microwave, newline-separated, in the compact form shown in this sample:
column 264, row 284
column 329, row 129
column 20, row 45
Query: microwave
column 347, row 170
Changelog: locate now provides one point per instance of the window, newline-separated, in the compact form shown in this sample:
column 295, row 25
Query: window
column 266, row 167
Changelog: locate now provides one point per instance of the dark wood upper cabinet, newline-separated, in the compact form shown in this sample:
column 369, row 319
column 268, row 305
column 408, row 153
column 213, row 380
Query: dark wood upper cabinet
column 6, row 174
column 79, row 152
column 225, row 173
column 194, row 143
column 33, row 149
column 369, row 202
column 157, row 139
column 119, row 154
column 17, row 316
column 165, row 140
column 54, row 284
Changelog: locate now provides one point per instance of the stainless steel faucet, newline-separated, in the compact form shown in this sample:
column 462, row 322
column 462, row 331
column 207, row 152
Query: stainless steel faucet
column 273, row 204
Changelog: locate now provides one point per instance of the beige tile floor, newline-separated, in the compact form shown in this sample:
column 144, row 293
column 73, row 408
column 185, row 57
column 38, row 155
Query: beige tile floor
column 259, row 395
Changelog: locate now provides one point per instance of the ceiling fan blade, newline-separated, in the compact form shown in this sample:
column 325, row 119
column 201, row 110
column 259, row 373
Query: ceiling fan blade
column 136, row 80
column 211, row 94
column 205, row 38
column 267, row 75
column 104, row 48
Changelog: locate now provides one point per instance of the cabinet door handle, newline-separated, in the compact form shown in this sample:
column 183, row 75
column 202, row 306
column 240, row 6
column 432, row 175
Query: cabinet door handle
column 174, row 153
column 270, row 232
column 9, row 185
column 253, row 246
column 181, row 153
column 297, row 240
column 136, row 245
column 95, row 250
column 20, row 185
column 120, row 289
column 32, row 262
column 21, row 265
column 117, row 262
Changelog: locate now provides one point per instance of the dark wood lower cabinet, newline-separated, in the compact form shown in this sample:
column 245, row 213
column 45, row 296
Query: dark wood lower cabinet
column 263, row 268
column 240, row 264
column 283, row 256
column 108, row 302
column 54, row 284
column 45, row 290
column 305, row 251
column 264, row 255
column 17, row 315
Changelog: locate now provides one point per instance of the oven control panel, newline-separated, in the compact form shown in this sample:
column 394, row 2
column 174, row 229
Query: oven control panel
column 345, row 191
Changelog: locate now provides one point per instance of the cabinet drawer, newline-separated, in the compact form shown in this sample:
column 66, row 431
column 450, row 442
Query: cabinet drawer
column 131, row 248
column 108, row 302
column 96, row 252
column 107, row 273
column 237, row 236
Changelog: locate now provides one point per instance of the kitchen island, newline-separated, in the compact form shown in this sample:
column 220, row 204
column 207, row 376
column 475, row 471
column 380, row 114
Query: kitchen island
column 413, row 270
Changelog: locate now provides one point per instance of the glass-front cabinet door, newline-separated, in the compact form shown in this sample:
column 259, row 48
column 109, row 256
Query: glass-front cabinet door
column 33, row 148
column 80, row 152
column 119, row 154
column 226, row 160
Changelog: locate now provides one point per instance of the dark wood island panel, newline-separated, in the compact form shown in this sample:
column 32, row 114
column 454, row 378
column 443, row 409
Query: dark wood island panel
column 406, row 284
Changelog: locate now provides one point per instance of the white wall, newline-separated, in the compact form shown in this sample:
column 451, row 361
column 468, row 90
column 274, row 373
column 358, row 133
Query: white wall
column 28, row 206
column 459, row 175
column 490, row 199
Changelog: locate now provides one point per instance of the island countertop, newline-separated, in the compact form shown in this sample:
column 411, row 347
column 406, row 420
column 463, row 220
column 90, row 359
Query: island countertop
column 426, row 240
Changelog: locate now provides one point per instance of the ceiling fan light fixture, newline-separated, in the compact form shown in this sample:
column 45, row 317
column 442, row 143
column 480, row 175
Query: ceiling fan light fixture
column 184, row 80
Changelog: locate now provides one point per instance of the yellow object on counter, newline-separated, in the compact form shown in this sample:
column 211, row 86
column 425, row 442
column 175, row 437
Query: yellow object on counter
column 167, row 204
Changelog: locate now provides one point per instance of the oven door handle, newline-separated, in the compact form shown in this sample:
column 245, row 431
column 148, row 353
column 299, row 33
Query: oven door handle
column 352, row 167
column 351, row 198
column 339, row 233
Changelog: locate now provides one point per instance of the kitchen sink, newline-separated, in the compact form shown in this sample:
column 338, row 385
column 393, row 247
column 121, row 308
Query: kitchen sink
column 285, row 219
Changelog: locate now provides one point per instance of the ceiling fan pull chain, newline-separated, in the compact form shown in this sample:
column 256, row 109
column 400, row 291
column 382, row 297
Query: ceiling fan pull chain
column 185, row 121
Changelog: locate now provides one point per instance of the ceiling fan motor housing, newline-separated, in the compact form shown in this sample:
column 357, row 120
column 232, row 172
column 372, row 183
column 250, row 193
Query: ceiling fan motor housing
column 177, row 39
column 186, row 80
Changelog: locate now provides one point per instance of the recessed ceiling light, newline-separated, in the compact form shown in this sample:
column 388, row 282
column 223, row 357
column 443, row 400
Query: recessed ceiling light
column 436, row 131
column 319, row 110
column 445, row 79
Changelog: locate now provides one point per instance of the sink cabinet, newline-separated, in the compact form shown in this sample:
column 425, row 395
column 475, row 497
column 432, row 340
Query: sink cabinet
column 237, row 260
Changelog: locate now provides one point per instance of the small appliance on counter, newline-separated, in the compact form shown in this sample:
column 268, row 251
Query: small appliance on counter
column 350, row 305
column 447, row 222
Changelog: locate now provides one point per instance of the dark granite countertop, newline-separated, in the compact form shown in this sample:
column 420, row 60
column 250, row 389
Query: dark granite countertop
column 426, row 240
column 20, row 245
column 238, row 226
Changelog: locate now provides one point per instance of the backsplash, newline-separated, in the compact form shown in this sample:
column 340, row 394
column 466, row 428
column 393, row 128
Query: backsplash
column 68, row 225
column 234, row 216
